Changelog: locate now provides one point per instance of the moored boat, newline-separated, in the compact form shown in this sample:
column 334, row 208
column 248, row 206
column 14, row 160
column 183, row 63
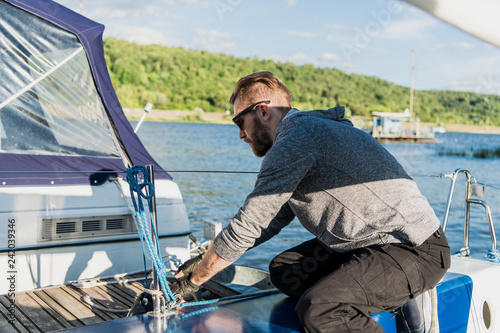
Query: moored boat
column 64, row 146
column 64, row 182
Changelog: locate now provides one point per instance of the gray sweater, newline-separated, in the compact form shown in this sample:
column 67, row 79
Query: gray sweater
column 341, row 184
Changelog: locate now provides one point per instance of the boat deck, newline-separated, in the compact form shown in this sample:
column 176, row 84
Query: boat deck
column 62, row 307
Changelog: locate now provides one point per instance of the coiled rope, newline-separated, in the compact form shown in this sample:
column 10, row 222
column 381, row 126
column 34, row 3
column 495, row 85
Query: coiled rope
column 145, row 190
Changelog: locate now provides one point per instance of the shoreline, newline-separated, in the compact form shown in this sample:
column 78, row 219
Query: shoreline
column 222, row 118
column 179, row 116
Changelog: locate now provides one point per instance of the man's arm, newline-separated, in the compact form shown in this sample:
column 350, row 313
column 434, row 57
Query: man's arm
column 198, row 272
column 210, row 265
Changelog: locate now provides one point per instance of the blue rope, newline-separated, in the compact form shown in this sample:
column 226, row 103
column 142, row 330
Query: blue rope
column 230, row 298
column 145, row 190
column 493, row 255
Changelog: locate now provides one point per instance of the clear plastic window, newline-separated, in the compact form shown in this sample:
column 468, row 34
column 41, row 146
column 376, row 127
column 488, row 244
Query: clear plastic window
column 48, row 100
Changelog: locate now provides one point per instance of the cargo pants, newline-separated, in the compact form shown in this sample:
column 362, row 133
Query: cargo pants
column 338, row 292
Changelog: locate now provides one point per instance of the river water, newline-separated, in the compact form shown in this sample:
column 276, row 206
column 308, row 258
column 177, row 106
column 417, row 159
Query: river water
column 181, row 147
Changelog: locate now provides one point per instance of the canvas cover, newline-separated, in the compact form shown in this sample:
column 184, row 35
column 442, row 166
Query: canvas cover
column 478, row 18
column 60, row 120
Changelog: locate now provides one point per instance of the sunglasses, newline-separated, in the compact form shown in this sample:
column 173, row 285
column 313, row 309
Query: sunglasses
column 237, row 119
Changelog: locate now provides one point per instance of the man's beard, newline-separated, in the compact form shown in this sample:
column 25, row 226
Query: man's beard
column 262, row 140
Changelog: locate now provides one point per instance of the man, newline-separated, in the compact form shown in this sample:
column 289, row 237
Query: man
column 377, row 241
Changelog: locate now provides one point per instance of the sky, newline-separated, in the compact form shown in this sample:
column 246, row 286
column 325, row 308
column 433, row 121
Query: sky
column 368, row 37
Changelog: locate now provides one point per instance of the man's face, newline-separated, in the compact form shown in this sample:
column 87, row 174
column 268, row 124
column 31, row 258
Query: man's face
column 254, row 130
column 260, row 140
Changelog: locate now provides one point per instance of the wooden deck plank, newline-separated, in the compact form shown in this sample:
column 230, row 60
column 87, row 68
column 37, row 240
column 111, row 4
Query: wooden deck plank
column 5, row 326
column 78, row 294
column 125, row 291
column 118, row 294
column 108, row 300
column 136, row 287
column 21, row 323
column 55, row 315
column 80, row 310
column 36, row 313
column 62, row 307
column 68, row 316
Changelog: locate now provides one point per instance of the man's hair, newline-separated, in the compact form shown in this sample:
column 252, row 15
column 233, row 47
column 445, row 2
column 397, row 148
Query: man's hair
column 262, row 86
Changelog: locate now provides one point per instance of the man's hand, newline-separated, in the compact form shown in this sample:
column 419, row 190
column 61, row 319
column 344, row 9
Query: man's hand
column 183, row 287
column 188, row 267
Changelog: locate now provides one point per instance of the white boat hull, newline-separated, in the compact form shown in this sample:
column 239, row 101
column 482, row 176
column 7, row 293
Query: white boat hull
column 52, row 235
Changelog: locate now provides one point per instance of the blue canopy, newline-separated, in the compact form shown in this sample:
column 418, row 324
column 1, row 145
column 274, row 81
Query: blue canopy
column 60, row 119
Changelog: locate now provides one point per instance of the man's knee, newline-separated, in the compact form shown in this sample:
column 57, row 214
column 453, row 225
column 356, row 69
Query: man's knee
column 275, row 269
column 274, row 264
column 284, row 278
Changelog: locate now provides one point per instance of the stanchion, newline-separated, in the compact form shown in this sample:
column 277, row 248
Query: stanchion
column 157, row 298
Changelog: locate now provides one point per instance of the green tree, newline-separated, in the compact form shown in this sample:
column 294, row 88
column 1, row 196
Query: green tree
column 179, row 79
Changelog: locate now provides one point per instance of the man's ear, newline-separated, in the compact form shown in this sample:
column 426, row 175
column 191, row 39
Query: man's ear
column 265, row 111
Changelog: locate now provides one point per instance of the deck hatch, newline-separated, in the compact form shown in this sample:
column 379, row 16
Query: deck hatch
column 88, row 226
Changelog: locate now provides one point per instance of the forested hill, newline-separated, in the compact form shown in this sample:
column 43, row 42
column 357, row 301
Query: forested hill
column 178, row 79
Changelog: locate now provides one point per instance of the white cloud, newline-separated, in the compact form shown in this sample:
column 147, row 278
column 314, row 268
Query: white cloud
column 483, row 84
column 122, row 9
column 211, row 40
column 201, row 3
column 160, row 24
column 455, row 46
column 486, row 64
column 489, row 84
column 330, row 57
column 300, row 58
column 121, row 13
column 334, row 38
column 141, row 35
column 303, row 34
column 210, row 33
column 291, row 3
column 480, row 75
column 348, row 66
column 108, row 12
column 408, row 29
column 335, row 26
column 275, row 58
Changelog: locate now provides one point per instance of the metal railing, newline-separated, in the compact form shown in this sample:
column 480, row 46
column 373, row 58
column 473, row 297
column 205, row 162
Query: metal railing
column 472, row 188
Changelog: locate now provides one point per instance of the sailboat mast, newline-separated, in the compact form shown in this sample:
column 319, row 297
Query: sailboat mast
column 412, row 79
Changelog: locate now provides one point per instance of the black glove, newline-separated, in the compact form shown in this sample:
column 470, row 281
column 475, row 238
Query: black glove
column 190, row 265
column 183, row 287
